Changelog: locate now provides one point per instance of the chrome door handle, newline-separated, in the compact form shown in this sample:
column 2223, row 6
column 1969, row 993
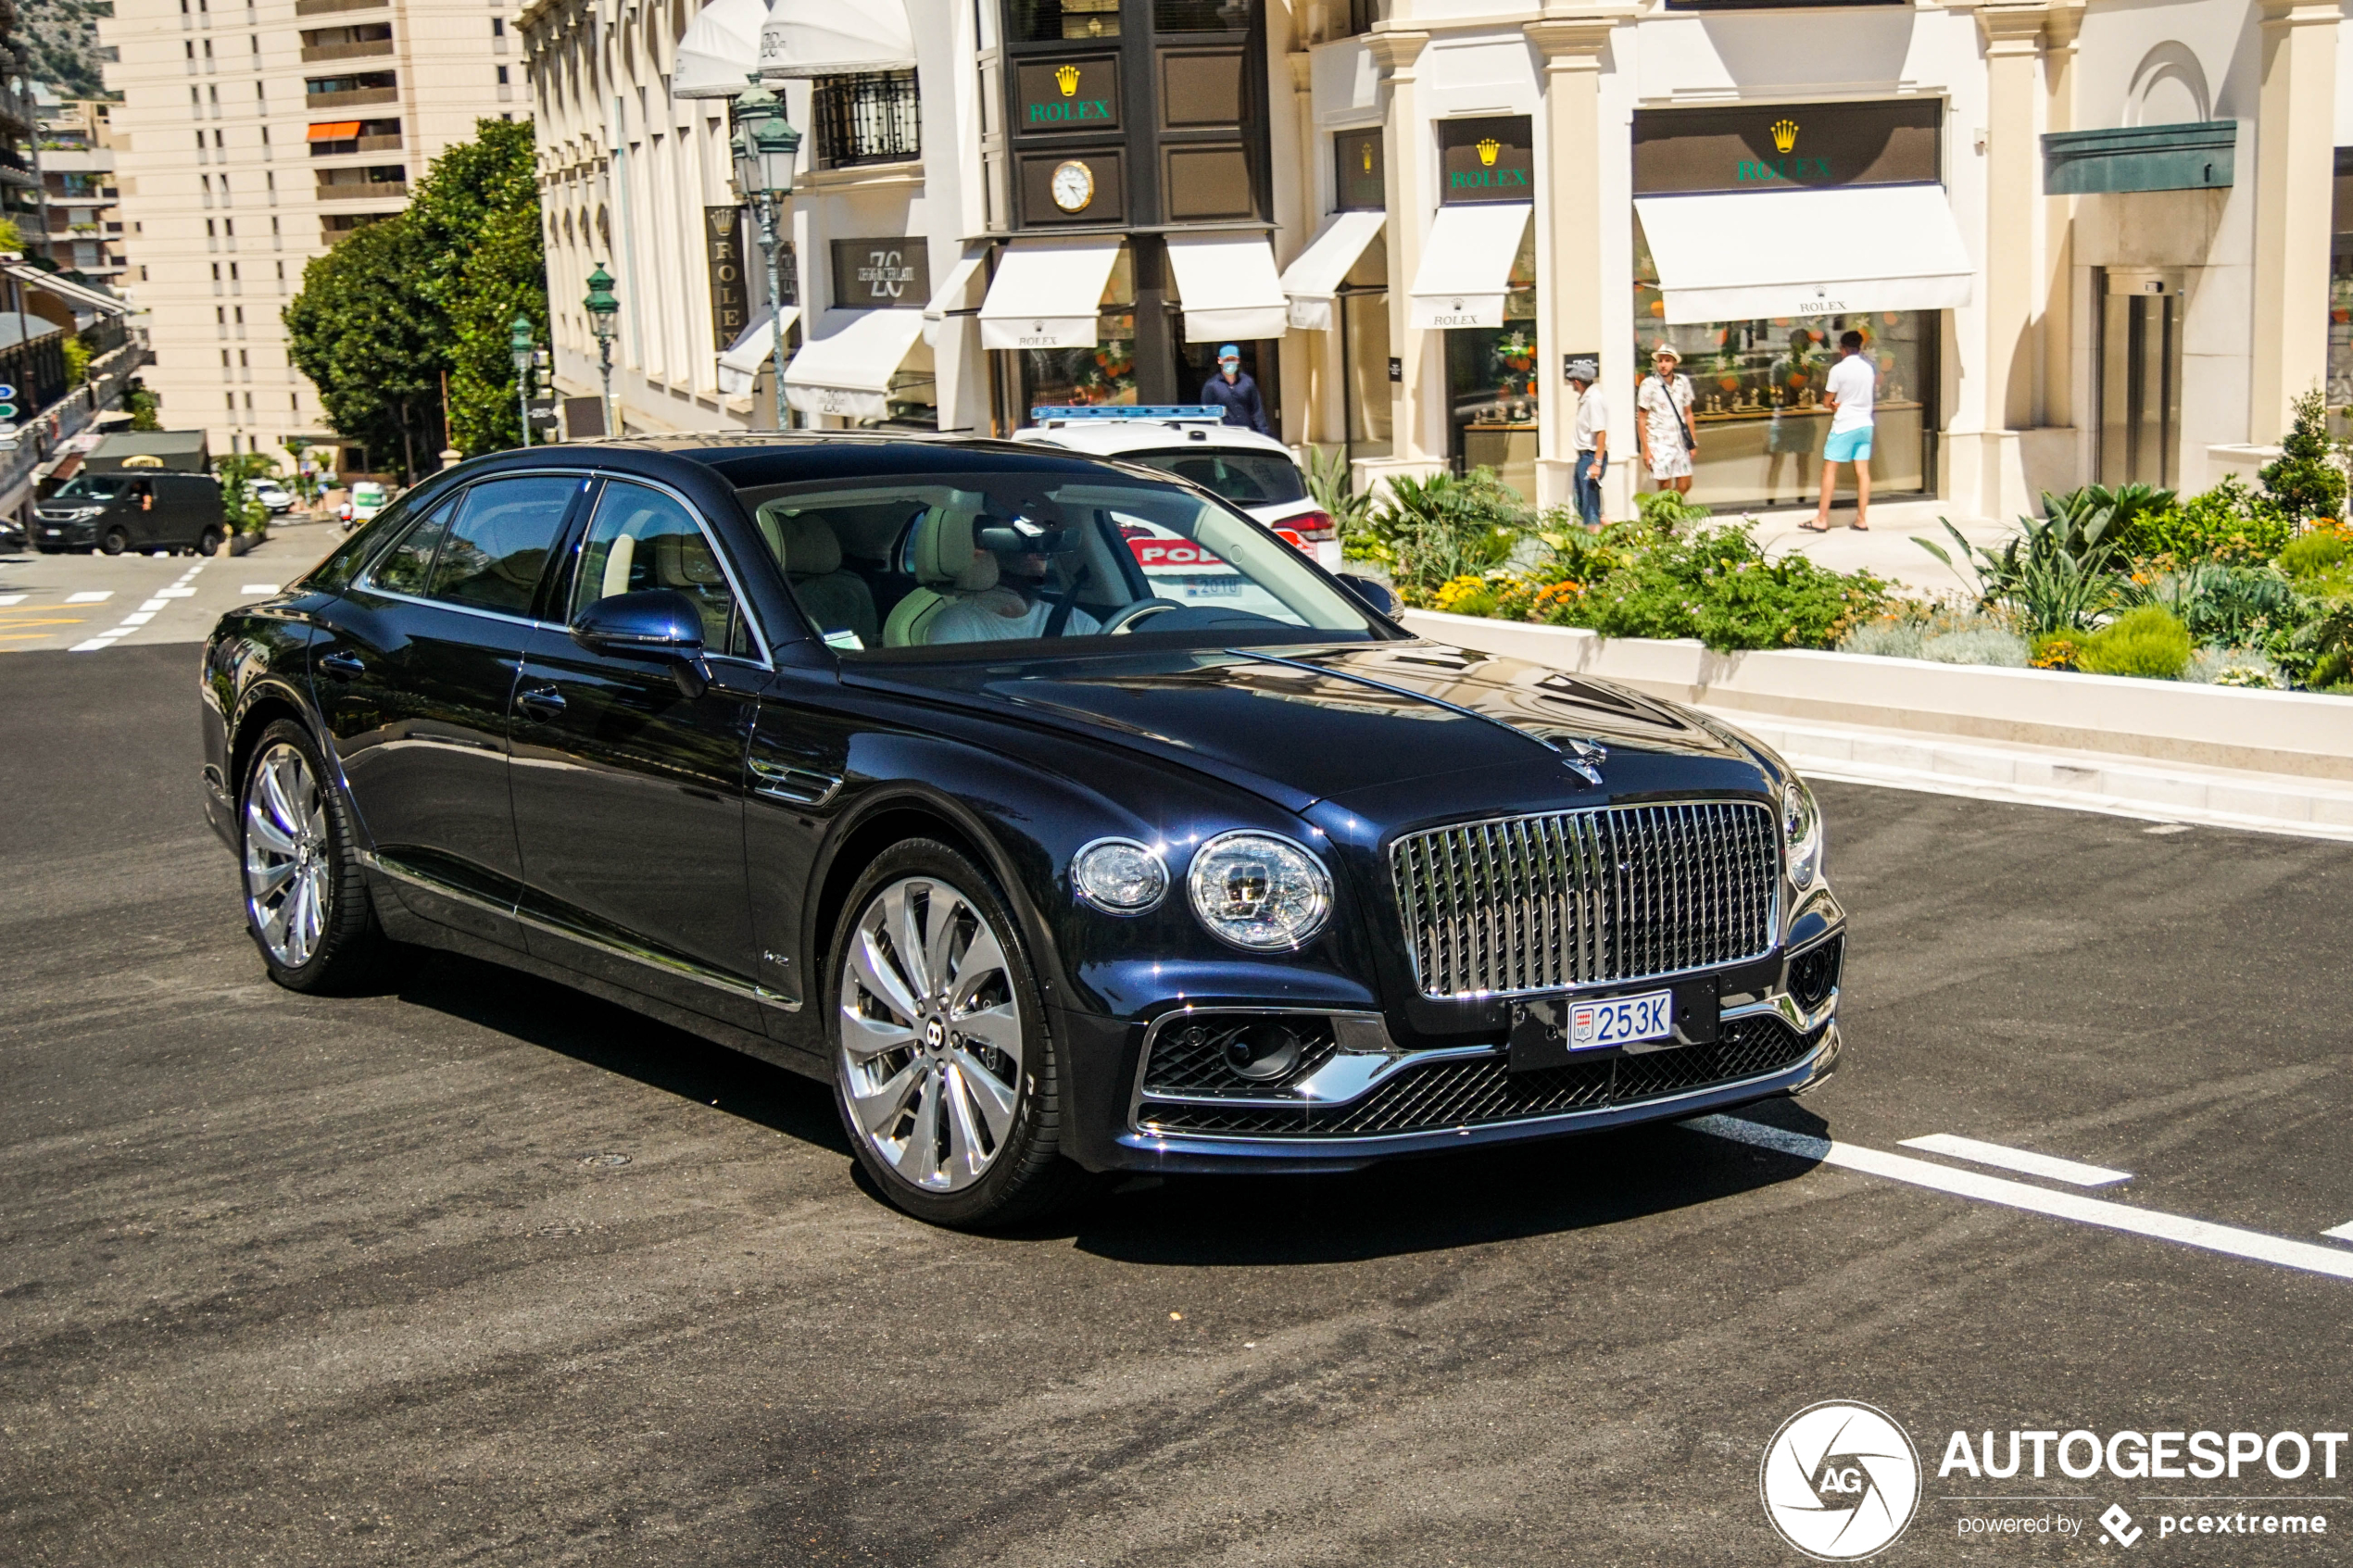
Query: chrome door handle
column 541, row 702
column 348, row 665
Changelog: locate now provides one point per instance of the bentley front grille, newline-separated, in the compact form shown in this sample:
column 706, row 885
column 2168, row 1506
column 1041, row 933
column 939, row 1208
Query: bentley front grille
column 1513, row 905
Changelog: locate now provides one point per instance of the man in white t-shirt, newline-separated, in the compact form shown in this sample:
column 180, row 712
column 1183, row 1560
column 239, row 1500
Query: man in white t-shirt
column 1848, row 392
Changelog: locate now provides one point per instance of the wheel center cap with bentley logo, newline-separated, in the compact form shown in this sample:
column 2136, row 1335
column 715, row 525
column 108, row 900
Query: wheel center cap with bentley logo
column 935, row 1033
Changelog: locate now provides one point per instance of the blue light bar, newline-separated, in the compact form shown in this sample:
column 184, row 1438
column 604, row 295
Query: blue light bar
column 1130, row 411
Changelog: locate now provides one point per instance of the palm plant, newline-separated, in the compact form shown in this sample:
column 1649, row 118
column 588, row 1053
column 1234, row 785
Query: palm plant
column 1332, row 482
column 2056, row 571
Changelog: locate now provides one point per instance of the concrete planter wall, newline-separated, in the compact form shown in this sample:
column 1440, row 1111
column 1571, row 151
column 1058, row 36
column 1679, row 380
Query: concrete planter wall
column 2299, row 733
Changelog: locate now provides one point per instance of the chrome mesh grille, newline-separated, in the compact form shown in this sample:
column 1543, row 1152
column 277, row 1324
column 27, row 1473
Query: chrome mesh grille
column 1519, row 904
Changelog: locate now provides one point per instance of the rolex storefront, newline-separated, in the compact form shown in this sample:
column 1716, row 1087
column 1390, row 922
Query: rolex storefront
column 1762, row 233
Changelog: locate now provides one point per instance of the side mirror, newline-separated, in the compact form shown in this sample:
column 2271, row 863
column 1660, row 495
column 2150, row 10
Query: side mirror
column 1375, row 594
column 658, row 625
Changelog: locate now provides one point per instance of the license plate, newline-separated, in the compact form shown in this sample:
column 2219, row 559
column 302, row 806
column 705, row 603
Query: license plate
column 1620, row 1020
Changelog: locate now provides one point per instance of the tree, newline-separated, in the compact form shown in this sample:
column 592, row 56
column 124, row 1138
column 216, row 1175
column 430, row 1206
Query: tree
column 477, row 215
column 2305, row 481
column 144, row 410
column 368, row 336
column 237, row 472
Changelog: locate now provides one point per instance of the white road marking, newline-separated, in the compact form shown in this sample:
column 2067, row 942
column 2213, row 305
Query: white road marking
column 2048, row 1167
column 8, row 599
column 99, row 597
column 2227, row 1240
column 258, row 588
column 176, row 592
column 151, row 605
column 93, row 645
column 139, row 620
column 2342, row 1232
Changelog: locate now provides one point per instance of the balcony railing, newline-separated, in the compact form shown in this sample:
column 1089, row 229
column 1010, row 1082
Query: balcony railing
column 870, row 119
column 322, row 8
column 360, row 50
column 352, row 98
column 356, row 145
column 372, row 190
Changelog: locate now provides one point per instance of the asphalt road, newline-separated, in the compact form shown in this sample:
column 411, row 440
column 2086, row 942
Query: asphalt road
column 63, row 601
column 483, row 1271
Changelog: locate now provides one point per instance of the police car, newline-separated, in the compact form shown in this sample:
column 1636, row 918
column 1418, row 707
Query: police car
column 1192, row 441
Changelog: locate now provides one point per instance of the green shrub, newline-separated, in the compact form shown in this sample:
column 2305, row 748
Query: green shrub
column 1887, row 639
column 1430, row 530
column 1718, row 586
column 2055, row 573
column 2150, row 640
column 2305, row 479
column 1665, row 511
column 2229, row 523
column 1977, row 645
column 2225, row 606
column 2317, row 552
column 2233, row 667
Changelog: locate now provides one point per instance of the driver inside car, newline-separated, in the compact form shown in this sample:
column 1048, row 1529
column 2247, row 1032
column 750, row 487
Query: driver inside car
column 1024, row 603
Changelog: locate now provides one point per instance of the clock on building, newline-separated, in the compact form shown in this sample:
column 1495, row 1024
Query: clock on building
column 1073, row 186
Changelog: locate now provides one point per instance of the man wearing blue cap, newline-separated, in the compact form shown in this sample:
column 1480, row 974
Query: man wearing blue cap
column 1232, row 390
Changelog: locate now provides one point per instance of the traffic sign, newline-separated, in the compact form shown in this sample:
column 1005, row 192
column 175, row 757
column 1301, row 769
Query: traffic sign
column 8, row 392
column 7, row 411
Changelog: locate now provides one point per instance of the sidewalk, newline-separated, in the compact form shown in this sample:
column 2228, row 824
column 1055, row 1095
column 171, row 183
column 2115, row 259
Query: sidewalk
column 1887, row 549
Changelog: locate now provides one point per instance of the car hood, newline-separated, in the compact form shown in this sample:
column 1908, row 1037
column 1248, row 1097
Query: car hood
column 1301, row 725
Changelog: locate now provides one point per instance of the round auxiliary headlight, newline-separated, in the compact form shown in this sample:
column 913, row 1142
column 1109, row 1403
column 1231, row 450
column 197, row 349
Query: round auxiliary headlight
column 1119, row 875
column 1801, row 834
column 1260, row 892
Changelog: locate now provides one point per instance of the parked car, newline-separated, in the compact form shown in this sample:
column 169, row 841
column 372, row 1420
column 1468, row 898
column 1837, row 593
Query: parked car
column 273, row 495
column 146, row 509
column 887, row 761
column 1255, row 471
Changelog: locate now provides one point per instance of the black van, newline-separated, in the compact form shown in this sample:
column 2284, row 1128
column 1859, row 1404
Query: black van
column 131, row 510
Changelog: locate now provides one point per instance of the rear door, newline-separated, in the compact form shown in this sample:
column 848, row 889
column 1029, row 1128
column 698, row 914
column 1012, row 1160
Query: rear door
column 629, row 795
column 413, row 670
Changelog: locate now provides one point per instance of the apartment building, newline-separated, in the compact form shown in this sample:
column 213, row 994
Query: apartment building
column 252, row 135
column 77, row 178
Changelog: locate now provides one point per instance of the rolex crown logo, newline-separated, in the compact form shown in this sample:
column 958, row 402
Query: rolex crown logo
column 1368, row 158
column 1066, row 77
column 1784, row 134
column 1487, row 151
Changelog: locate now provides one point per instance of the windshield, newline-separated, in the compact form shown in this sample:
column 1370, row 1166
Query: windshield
column 368, row 494
column 1247, row 479
column 91, row 487
column 953, row 561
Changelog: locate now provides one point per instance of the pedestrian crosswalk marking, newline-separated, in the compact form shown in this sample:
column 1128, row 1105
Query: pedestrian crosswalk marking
column 97, row 597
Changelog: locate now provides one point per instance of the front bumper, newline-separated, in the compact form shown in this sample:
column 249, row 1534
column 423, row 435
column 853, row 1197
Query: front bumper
column 53, row 533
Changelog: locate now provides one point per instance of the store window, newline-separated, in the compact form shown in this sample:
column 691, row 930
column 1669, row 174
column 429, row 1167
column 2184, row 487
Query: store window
column 1364, row 326
column 1492, row 384
column 1104, row 372
column 1360, row 181
column 2340, row 384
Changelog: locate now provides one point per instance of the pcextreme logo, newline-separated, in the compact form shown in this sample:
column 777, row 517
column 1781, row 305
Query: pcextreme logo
column 1840, row 1481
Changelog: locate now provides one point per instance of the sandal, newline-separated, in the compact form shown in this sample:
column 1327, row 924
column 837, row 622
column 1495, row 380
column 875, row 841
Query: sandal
column 1861, row 527
column 1815, row 527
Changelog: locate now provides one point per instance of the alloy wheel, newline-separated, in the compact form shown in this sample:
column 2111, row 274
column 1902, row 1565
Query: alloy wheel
column 931, row 1034
column 288, row 878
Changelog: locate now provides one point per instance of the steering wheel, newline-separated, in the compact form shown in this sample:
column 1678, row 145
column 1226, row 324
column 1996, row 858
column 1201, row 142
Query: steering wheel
column 1123, row 619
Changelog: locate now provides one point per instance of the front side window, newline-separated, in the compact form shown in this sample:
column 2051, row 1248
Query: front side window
column 918, row 567
column 497, row 545
column 642, row 539
column 409, row 565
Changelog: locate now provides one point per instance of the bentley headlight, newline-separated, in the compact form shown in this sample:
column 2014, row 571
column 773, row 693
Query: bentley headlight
column 1801, row 834
column 1119, row 875
column 1260, row 892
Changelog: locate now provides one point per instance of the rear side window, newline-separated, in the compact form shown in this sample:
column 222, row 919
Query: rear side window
column 497, row 545
column 1248, row 478
column 405, row 570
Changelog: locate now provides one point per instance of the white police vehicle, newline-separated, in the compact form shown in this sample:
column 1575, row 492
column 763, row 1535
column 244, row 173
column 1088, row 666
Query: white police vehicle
column 1192, row 441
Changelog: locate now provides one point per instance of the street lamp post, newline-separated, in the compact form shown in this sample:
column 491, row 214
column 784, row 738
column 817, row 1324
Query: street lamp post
column 765, row 146
column 603, row 310
column 519, row 342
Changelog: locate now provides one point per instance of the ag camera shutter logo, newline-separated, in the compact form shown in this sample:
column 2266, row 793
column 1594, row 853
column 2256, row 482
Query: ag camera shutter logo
column 1840, row 1481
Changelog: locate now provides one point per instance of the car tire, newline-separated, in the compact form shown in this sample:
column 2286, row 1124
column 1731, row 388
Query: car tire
column 208, row 542
column 114, row 542
column 921, row 1082
column 305, row 900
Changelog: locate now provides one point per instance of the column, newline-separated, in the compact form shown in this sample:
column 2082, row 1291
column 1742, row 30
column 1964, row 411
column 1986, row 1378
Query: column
column 2058, row 228
column 1572, row 276
column 2001, row 380
column 1418, row 402
column 1308, row 384
column 2295, row 161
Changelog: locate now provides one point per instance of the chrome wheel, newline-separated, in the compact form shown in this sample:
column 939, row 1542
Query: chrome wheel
column 931, row 1034
column 288, row 880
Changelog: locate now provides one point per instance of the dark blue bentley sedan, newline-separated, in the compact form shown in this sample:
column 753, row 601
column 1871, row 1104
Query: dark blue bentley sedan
column 1059, row 815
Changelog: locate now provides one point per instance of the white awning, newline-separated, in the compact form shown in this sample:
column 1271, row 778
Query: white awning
column 1047, row 293
column 1466, row 265
column 741, row 361
column 836, row 38
column 720, row 50
column 847, row 371
column 949, row 298
column 1313, row 280
column 1228, row 286
column 80, row 295
column 1762, row 254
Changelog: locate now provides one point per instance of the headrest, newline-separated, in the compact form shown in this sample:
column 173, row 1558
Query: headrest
column 681, row 560
column 980, row 576
column 944, row 550
column 811, row 548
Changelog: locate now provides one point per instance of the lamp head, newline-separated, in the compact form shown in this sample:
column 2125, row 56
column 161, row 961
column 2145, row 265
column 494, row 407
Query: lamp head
column 600, row 304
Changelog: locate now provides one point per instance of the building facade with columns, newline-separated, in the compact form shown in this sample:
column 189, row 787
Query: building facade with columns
column 2083, row 241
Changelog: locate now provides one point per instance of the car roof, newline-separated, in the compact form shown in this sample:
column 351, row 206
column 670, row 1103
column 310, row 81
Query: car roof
column 753, row 458
column 1113, row 437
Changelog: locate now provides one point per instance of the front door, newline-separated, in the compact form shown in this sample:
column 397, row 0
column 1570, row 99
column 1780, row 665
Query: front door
column 629, row 799
column 412, row 670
